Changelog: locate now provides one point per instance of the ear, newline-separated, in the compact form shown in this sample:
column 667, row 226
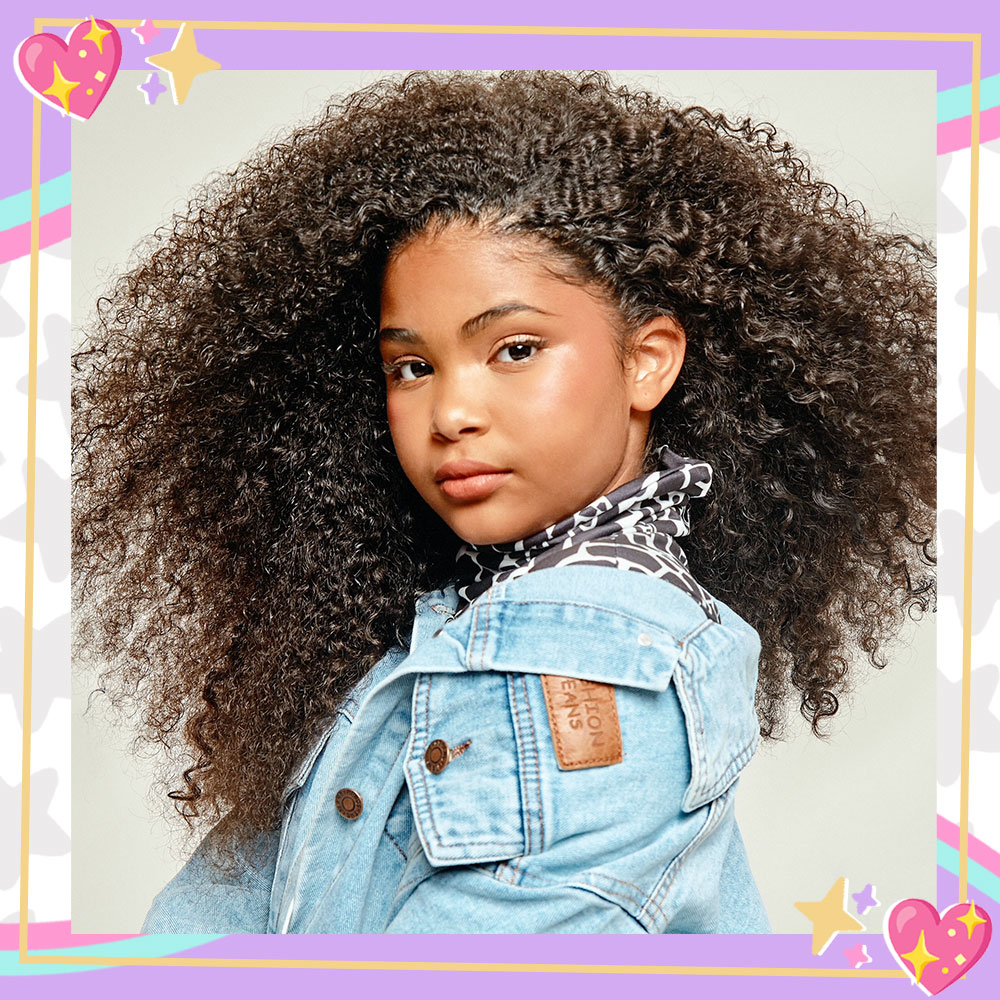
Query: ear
column 653, row 361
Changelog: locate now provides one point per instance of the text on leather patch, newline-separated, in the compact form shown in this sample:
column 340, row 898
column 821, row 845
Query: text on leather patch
column 583, row 718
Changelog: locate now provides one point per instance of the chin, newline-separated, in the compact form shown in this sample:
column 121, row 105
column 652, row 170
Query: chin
column 486, row 534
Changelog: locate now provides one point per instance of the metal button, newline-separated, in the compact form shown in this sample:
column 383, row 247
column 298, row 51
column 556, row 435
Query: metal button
column 348, row 803
column 439, row 755
column 645, row 639
column 436, row 756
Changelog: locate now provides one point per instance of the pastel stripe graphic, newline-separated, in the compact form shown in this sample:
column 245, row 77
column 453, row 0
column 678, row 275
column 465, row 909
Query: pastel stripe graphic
column 52, row 228
column 153, row 946
column 954, row 130
column 51, row 938
column 957, row 101
column 16, row 210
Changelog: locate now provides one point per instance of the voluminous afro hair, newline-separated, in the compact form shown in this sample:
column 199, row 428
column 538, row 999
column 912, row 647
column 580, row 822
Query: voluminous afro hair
column 245, row 545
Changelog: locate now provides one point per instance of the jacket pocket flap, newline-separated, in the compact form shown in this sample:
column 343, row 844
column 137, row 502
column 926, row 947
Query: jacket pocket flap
column 462, row 769
column 715, row 681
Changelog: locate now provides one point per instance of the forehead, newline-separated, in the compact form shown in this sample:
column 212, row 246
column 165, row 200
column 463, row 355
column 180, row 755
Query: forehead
column 462, row 271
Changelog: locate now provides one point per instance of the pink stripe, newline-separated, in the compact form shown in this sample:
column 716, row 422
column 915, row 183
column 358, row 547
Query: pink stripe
column 981, row 853
column 53, row 935
column 52, row 228
column 957, row 134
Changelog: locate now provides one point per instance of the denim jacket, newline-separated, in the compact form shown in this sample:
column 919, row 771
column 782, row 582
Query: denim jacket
column 503, row 839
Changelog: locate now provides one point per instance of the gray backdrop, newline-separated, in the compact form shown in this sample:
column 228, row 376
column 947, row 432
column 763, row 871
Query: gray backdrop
column 861, row 804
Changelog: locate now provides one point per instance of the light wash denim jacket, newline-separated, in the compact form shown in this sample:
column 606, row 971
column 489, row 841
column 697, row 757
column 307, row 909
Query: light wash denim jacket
column 502, row 839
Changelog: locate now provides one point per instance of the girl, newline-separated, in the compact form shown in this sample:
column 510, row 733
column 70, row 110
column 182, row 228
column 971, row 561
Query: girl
column 461, row 330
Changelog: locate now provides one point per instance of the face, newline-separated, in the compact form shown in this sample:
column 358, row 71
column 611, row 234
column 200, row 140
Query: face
column 507, row 402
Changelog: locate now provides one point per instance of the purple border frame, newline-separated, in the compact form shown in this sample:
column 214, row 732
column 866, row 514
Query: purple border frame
column 250, row 50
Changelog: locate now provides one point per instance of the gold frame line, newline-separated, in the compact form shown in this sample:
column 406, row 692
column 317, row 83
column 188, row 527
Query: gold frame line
column 533, row 29
column 970, row 444
column 110, row 960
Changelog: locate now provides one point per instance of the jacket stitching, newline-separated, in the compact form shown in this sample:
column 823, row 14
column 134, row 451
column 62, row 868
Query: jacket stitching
column 423, row 876
column 712, row 821
column 470, row 655
column 396, row 843
column 685, row 640
column 642, row 902
column 600, row 607
column 520, row 743
column 693, row 706
column 424, row 807
column 702, row 742
column 729, row 775
column 504, row 872
column 486, row 634
column 538, row 766
column 547, row 882
column 274, row 904
column 301, row 774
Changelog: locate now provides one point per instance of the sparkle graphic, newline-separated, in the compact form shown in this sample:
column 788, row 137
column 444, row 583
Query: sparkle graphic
column 97, row 35
column 182, row 63
column 60, row 88
column 146, row 31
column 865, row 899
column 829, row 916
column 857, row 956
column 919, row 958
column 152, row 88
column 970, row 919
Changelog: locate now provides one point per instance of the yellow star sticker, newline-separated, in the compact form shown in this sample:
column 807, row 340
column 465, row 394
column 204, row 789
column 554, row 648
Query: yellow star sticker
column 60, row 87
column 182, row 63
column 919, row 958
column 829, row 916
column 97, row 36
column 970, row 919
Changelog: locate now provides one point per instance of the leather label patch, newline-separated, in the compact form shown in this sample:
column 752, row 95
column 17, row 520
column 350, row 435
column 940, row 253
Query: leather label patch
column 583, row 717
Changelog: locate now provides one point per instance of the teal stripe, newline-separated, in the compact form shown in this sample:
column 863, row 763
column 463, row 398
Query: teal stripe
column 150, row 946
column 980, row 877
column 957, row 102
column 16, row 210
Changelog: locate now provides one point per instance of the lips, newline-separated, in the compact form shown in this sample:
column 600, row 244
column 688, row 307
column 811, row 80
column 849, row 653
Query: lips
column 473, row 487
column 464, row 469
column 469, row 480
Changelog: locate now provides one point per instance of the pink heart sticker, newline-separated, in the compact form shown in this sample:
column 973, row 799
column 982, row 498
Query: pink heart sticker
column 73, row 75
column 934, row 950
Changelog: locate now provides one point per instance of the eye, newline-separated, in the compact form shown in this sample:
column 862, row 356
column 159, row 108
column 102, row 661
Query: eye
column 407, row 371
column 519, row 350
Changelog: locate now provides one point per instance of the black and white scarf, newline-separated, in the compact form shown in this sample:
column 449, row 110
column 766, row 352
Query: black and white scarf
column 634, row 527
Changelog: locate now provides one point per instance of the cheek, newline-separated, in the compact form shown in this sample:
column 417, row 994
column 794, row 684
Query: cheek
column 400, row 425
column 557, row 395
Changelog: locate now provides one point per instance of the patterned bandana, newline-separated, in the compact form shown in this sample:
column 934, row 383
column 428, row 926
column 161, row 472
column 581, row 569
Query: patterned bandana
column 634, row 527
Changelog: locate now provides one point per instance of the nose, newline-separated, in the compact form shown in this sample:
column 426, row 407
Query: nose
column 459, row 407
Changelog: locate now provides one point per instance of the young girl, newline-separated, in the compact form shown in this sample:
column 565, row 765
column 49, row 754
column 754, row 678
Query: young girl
column 462, row 330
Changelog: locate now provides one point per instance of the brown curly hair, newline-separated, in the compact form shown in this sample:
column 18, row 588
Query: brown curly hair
column 245, row 545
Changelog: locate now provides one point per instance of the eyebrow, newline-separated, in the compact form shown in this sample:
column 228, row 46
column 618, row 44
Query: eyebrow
column 469, row 328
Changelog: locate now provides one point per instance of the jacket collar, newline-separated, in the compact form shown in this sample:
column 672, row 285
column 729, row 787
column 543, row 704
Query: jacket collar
column 623, row 628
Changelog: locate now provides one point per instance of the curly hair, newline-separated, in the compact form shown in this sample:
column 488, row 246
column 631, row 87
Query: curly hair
column 245, row 544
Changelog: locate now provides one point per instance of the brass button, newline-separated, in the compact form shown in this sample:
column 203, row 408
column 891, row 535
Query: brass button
column 436, row 756
column 439, row 755
column 348, row 803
